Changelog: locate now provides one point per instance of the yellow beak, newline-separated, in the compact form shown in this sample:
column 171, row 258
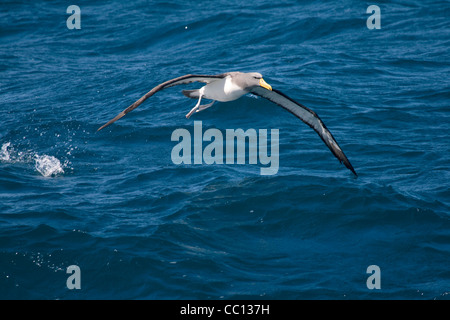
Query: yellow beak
column 264, row 84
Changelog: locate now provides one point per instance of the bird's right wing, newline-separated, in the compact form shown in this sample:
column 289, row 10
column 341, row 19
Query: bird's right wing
column 309, row 117
column 189, row 78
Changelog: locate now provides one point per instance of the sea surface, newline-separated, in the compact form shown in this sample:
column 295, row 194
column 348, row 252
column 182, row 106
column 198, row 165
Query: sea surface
column 139, row 226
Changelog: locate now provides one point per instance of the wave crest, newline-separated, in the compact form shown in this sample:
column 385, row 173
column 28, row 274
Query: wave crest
column 46, row 165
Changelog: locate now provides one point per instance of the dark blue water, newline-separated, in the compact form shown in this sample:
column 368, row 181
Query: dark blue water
column 141, row 227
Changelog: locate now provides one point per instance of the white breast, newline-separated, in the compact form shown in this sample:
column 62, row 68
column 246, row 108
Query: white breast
column 223, row 90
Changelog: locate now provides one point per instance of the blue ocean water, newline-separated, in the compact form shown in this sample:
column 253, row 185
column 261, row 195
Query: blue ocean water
column 141, row 227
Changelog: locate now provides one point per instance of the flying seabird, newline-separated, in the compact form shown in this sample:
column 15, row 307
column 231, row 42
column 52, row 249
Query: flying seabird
column 233, row 85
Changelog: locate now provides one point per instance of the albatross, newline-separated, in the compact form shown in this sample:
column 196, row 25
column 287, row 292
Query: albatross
column 230, row 86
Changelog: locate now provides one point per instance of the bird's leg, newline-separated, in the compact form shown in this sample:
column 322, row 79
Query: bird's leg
column 205, row 106
column 194, row 108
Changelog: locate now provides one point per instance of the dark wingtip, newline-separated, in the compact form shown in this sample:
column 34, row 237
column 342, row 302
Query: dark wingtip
column 350, row 167
column 103, row 126
column 120, row 115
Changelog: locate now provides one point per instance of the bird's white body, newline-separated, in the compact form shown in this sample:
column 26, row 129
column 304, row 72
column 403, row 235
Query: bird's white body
column 222, row 90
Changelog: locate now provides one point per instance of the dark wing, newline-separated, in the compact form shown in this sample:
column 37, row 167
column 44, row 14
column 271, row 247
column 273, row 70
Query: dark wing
column 189, row 78
column 307, row 116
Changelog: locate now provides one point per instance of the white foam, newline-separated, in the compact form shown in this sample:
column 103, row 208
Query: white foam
column 48, row 165
column 5, row 154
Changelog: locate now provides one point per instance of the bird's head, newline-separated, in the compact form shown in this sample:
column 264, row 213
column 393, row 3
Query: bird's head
column 255, row 79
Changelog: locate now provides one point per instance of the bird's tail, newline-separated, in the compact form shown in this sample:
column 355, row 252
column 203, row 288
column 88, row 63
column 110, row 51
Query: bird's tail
column 193, row 94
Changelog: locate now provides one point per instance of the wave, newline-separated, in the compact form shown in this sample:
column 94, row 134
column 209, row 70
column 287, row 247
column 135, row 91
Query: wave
column 46, row 165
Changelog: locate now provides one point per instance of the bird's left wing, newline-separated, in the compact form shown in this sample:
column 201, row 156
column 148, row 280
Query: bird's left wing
column 189, row 78
column 307, row 116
